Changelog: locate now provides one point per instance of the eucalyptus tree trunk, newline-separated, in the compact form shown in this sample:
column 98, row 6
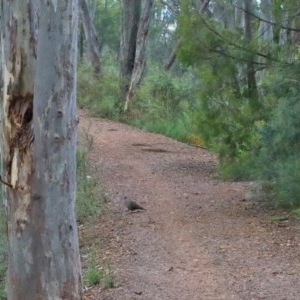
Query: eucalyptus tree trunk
column 130, row 17
column 38, row 142
column 93, row 47
column 140, row 51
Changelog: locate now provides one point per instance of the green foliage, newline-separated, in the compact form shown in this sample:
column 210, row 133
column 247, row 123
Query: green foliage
column 279, row 161
column 161, row 33
column 163, row 103
column 107, row 23
column 3, row 292
column 99, row 95
column 256, row 137
column 296, row 212
column 95, row 275
column 257, row 134
column 226, row 114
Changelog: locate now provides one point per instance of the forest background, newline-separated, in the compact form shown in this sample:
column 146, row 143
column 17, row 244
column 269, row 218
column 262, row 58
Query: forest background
column 223, row 75
column 219, row 74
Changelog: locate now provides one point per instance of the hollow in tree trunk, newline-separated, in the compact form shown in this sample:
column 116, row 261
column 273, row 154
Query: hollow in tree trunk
column 38, row 142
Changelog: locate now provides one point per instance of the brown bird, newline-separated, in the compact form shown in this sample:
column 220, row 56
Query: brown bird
column 132, row 205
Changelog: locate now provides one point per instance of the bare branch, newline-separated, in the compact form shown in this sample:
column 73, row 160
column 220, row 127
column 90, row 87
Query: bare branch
column 5, row 183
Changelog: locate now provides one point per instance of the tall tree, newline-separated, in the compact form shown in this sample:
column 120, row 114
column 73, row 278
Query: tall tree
column 38, row 142
column 140, row 51
column 134, row 33
column 130, row 16
column 251, row 80
column 93, row 47
column 265, row 30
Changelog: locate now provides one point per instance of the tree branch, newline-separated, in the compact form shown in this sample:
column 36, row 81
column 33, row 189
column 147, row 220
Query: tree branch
column 5, row 183
column 236, row 45
column 267, row 21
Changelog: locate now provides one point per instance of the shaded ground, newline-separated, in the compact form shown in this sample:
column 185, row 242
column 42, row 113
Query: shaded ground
column 197, row 239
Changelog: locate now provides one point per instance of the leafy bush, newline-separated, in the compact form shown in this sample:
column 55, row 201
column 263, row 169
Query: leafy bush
column 99, row 95
column 226, row 112
column 279, row 161
column 163, row 103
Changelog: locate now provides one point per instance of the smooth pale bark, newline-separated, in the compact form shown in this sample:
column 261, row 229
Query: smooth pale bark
column 38, row 127
column 140, row 51
column 93, row 47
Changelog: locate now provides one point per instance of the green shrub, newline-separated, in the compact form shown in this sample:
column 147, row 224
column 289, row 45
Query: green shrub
column 279, row 161
column 93, row 276
column 99, row 95
column 163, row 104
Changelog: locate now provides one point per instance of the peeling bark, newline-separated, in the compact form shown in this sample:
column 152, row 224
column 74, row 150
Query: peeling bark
column 38, row 128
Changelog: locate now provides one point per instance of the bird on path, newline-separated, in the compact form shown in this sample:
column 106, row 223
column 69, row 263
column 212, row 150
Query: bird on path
column 132, row 205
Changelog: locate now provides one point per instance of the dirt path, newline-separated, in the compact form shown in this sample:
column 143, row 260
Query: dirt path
column 197, row 238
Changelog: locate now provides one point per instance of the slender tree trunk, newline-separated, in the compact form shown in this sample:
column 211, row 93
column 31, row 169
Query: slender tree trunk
column 265, row 30
column 130, row 17
column 38, row 127
column 251, row 80
column 172, row 56
column 140, row 51
column 91, row 37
